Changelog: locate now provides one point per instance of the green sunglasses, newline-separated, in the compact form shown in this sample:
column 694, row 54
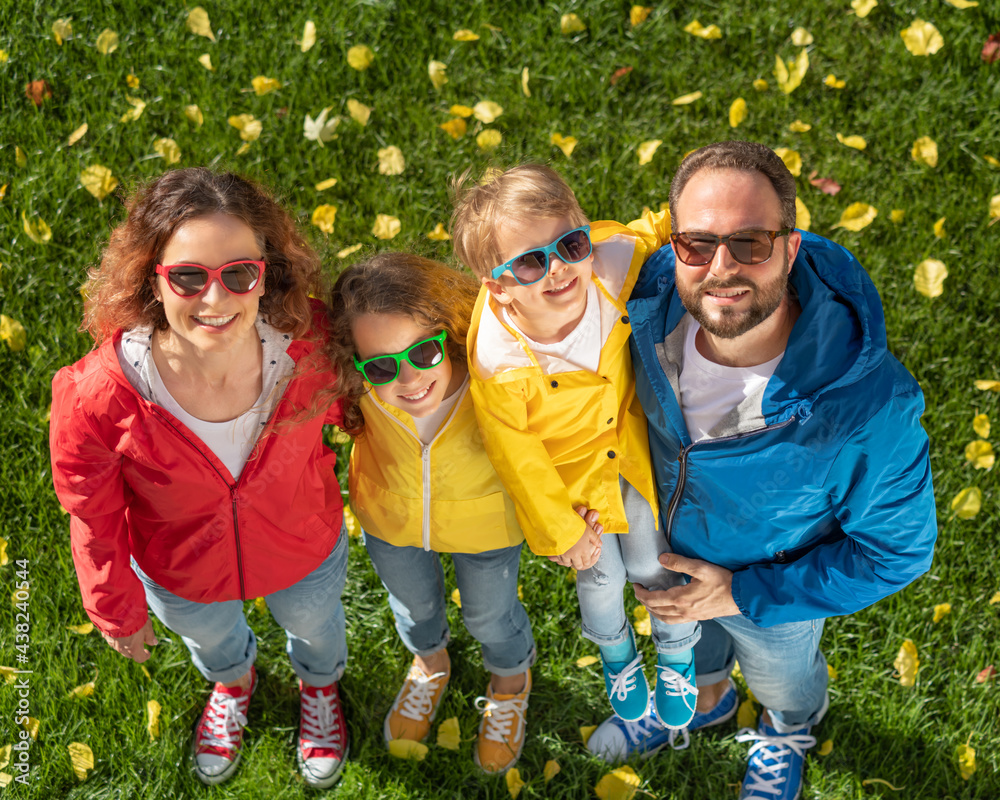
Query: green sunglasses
column 426, row 354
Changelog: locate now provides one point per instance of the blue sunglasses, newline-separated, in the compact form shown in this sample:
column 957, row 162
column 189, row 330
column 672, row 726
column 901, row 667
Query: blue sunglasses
column 531, row 266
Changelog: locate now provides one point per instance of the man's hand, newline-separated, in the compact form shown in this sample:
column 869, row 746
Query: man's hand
column 708, row 595
column 134, row 646
column 584, row 554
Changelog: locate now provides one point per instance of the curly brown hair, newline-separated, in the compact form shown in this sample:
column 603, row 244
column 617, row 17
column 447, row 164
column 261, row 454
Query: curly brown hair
column 119, row 292
column 433, row 294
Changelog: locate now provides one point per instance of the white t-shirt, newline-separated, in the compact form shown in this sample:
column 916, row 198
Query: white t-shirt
column 582, row 346
column 709, row 391
column 427, row 427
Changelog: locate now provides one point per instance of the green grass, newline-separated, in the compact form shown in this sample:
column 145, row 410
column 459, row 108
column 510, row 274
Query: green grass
column 879, row 729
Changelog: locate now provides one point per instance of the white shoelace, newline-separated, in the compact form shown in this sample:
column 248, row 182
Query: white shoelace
column 500, row 715
column 767, row 778
column 319, row 723
column 419, row 701
column 625, row 681
column 224, row 721
column 675, row 683
column 639, row 731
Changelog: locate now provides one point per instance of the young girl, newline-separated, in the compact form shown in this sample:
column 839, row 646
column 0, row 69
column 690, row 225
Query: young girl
column 192, row 480
column 421, row 485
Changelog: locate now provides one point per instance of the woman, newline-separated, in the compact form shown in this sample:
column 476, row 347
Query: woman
column 194, row 475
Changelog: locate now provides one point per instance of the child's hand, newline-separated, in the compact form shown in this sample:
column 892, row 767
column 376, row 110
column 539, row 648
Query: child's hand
column 584, row 554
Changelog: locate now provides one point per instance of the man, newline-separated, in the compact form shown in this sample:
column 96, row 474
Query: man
column 793, row 473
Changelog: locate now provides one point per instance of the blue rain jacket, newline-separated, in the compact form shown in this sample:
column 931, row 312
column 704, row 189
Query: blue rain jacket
column 818, row 494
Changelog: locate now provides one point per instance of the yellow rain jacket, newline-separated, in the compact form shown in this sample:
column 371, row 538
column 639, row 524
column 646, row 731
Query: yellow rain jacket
column 560, row 439
column 443, row 496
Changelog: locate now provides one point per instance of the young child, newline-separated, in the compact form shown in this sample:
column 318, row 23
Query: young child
column 555, row 396
column 421, row 484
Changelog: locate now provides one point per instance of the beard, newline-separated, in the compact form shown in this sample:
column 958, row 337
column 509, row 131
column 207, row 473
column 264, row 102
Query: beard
column 727, row 322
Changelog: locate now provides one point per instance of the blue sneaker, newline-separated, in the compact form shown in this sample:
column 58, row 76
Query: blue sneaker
column 627, row 689
column 776, row 762
column 617, row 740
column 675, row 694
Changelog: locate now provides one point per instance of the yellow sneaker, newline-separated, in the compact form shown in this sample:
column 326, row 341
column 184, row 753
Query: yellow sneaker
column 413, row 711
column 501, row 733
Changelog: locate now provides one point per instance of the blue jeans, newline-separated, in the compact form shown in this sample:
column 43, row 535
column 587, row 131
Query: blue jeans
column 782, row 665
column 488, row 585
column 222, row 645
column 630, row 557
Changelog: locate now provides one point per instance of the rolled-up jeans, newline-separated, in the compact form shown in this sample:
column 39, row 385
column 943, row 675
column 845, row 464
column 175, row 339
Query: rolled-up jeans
column 222, row 645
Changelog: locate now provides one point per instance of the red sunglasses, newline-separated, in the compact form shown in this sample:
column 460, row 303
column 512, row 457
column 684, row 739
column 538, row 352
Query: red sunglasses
column 189, row 280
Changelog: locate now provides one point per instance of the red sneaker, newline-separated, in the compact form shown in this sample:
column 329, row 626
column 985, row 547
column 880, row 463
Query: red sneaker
column 322, row 745
column 218, row 736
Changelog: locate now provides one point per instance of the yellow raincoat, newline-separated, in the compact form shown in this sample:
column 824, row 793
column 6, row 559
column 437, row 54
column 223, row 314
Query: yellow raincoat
column 560, row 440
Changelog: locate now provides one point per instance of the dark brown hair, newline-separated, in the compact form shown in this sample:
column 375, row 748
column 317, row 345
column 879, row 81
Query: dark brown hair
column 436, row 296
column 119, row 292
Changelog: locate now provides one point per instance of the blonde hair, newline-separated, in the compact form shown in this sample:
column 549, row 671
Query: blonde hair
column 523, row 193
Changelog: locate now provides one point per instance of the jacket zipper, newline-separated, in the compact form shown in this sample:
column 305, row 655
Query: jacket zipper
column 682, row 456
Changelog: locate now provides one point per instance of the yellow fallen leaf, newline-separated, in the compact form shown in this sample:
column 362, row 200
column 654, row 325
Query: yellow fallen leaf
column 520, row 592
column 168, row 149
column 455, row 127
column 38, row 230
column 308, row 36
column 20, row 596
column 20, row 158
column 966, row 758
column 249, row 126
column 857, row 216
column 907, row 663
column 489, row 139
column 10, row 673
column 193, row 113
column 5, row 752
column 4, row 558
column 826, row 748
column 138, row 106
column 197, row 23
column 620, row 784
column 980, row 454
column 967, row 503
column 636, row 16
column 832, row 673
column 803, row 219
column 31, row 725
column 993, row 601
column 359, row 111
column 686, row 99
column 648, row 149
column 360, row 57
column 263, row 85
column 925, row 151
column 390, row 160
column 77, row 135
column 344, row 254
column 386, row 226
column 897, row 215
column 260, row 605
column 992, row 161
column 995, row 207
column 552, row 768
column 153, row 719
column 82, row 629
column 465, row 35
column 439, row 234
column 62, row 29
column 857, row 142
column 449, row 734
column 13, row 333
column 407, row 749
column 486, row 111
column 791, row 159
column 206, row 61
column 107, row 42
column 737, row 112
column 643, row 625
column 922, row 38
column 928, row 277
column 834, row 82
column 801, row 37
column 5, row 777
column 863, row 7
column 570, row 24
column 3, row 191
column 82, row 759
column 436, row 72
column 565, row 143
column 789, row 74
column 941, row 610
column 939, row 228
column 586, row 661
column 323, row 218
column 131, row 81
column 981, row 425
column 695, row 28
column 81, row 691
column 514, row 782
column 799, row 126
column 525, row 76
column 746, row 714
column 327, row 184
column 963, row 4
column 460, row 111
column 760, row 85
column 4, row 56
column 585, row 733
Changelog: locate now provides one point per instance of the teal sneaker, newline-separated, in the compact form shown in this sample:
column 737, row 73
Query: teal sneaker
column 776, row 763
column 675, row 694
column 627, row 688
